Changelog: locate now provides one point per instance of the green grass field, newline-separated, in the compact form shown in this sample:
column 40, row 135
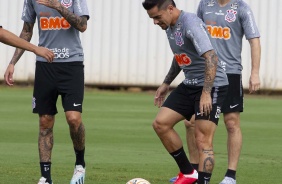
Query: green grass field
column 121, row 144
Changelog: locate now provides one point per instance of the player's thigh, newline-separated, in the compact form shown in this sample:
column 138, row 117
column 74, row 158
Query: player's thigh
column 181, row 100
column 71, row 86
column 45, row 93
column 218, row 95
column 233, row 101
column 167, row 117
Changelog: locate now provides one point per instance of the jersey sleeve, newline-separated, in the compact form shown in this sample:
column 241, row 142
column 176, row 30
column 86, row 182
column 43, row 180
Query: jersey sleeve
column 200, row 9
column 197, row 33
column 29, row 14
column 81, row 8
column 248, row 21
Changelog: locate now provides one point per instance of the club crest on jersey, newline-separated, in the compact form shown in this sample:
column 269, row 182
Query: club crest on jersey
column 211, row 3
column 231, row 15
column 178, row 38
column 66, row 3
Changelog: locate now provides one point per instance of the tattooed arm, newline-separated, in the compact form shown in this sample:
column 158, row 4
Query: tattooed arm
column 26, row 34
column 172, row 73
column 210, row 72
column 164, row 88
column 79, row 23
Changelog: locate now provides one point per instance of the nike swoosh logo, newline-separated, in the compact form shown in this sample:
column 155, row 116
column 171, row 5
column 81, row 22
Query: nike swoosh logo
column 198, row 113
column 74, row 104
column 177, row 154
column 232, row 106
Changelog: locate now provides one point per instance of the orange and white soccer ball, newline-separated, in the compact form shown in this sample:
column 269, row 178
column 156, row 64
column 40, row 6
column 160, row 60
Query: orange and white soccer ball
column 138, row 181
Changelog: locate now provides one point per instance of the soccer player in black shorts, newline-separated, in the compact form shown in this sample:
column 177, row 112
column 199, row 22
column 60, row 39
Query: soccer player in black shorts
column 60, row 23
column 202, row 91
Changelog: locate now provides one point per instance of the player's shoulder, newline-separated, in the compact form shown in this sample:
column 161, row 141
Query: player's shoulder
column 191, row 22
column 206, row 2
column 190, row 18
column 242, row 5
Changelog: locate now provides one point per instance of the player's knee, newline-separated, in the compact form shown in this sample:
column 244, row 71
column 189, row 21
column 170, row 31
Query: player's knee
column 46, row 121
column 203, row 141
column 159, row 126
column 232, row 123
column 73, row 120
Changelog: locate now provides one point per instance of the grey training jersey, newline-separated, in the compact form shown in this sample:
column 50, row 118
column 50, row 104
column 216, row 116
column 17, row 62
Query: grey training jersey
column 55, row 33
column 227, row 25
column 189, row 40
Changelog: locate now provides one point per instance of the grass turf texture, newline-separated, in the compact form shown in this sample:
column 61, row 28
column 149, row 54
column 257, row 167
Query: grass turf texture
column 121, row 144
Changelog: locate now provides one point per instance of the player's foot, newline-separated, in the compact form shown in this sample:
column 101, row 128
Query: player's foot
column 228, row 180
column 78, row 175
column 173, row 179
column 187, row 178
column 42, row 180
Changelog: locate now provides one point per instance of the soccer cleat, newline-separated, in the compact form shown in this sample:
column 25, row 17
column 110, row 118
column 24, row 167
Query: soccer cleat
column 187, row 178
column 42, row 180
column 78, row 175
column 172, row 179
column 228, row 180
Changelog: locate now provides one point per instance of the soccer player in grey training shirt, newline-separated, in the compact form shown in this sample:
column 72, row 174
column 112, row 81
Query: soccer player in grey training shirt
column 227, row 22
column 59, row 23
column 202, row 91
column 11, row 39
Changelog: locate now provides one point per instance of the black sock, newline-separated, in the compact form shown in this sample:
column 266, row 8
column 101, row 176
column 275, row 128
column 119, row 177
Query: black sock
column 231, row 173
column 195, row 166
column 80, row 157
column 182, row 161
column 46, row 171
column 204, row 178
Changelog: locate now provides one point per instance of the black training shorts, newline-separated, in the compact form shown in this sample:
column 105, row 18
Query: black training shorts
column 186, row 100
column 234, row 99
column 54, row 79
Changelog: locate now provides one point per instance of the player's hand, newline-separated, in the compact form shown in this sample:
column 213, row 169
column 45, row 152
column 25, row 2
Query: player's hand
column 254, row 83
column 45, row 53
column 49, row 3
column 161, row 94
column 8, row 76
column 205, row 104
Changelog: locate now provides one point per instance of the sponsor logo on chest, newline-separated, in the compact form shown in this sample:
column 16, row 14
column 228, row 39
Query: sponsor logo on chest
column 53, row 23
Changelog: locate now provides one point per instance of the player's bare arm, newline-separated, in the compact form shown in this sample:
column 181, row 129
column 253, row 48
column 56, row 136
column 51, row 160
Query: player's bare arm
column 172, row 73
column 210, row 72
column 79, row 23
column 26, row 34
column 164, row 88
column 254, row 83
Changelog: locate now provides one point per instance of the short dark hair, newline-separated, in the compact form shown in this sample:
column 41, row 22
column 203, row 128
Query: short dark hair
column 161, row 4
